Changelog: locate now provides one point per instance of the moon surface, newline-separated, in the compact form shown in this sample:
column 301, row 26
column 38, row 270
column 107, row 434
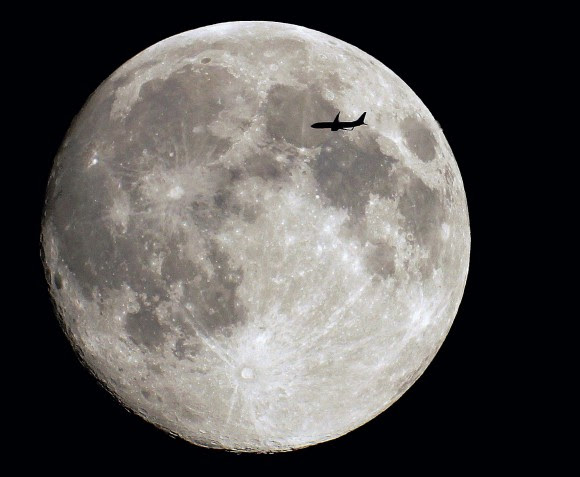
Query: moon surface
column 236, row 277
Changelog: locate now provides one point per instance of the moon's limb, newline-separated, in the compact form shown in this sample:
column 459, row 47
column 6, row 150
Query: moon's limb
column 231, row 274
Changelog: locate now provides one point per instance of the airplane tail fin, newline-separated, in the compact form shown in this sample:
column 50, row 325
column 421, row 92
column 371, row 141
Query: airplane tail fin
column 361, row 120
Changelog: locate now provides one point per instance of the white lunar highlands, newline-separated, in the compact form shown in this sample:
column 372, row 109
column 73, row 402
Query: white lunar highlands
column 236, row 277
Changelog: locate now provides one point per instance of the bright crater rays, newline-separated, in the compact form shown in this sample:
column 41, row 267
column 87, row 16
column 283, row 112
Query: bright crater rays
column 231, row 274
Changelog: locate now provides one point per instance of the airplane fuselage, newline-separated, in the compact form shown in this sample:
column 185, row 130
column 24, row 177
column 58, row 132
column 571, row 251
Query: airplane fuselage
column 335, row 126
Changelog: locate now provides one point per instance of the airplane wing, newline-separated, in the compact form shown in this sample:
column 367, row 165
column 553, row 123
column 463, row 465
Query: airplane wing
column 336, row 119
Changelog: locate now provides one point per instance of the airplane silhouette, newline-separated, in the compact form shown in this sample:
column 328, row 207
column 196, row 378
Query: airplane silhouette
column 345, row 125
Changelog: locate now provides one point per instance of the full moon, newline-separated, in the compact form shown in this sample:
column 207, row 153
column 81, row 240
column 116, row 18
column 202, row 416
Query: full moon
column 236, row 277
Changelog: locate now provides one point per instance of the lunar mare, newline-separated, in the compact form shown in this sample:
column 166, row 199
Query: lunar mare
column 234, row 276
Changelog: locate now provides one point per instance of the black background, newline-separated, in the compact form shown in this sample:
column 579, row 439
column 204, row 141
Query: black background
column 465, row 413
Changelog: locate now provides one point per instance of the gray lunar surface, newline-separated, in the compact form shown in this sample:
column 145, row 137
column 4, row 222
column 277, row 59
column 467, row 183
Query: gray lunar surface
column 236, row 277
